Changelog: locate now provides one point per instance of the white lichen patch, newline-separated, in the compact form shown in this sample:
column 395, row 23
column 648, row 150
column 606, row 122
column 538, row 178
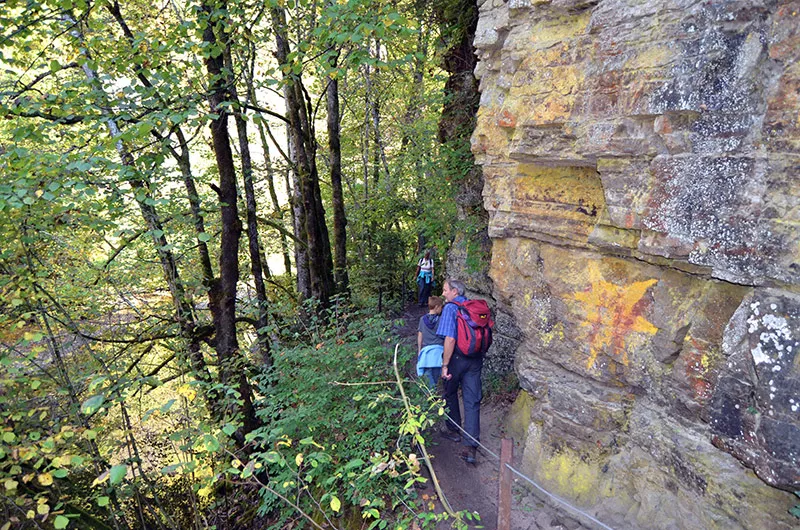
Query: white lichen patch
column 759, row 356
column 775, row 333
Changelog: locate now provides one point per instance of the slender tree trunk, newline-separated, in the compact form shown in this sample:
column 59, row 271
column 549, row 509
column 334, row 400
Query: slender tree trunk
column 411, row 115
column 298, row 226
column 412, row 110
column 141, row 188
column 276, row 207
column 256, row 265
column 195, row 207
column 249, row 76
column 365, row 143
column 339, row 218
column 182, row 159
column 373, row 106
column 224, row 291
column 301, row 133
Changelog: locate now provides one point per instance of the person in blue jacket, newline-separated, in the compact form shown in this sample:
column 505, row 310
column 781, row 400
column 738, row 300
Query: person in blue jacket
column 430, row 345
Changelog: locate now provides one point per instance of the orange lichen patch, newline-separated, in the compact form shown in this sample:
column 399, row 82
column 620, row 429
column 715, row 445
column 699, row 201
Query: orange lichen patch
column 488, row 137
column 506, row 119
column 613, row 313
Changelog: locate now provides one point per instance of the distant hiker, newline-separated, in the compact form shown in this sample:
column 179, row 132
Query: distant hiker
column 466, row 326
column 430, row 345
column 424, row 278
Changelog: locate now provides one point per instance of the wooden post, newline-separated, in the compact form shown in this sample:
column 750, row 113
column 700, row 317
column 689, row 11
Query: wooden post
column 504, row 504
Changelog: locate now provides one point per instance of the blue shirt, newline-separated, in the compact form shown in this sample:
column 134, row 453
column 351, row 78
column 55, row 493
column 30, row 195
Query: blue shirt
column 447, row 322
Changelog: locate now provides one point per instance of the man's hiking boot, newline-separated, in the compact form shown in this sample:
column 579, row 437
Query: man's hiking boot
column 468, row 455
column 453, row 436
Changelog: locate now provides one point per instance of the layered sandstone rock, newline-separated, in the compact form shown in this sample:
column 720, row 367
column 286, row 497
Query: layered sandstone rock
column 641, row 163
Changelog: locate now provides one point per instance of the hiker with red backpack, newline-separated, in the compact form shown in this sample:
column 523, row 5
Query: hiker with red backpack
column 466, row 326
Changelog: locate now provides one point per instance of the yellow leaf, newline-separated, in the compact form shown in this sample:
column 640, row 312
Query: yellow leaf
column 11, row 484
column 187, row 391
column 102, row 478
column 45, row 479
column 298, row 459
column 336, row 504
column 42, row 509
column 31, row 514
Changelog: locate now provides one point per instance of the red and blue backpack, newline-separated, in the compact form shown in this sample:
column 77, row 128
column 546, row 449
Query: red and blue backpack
column 473, row 328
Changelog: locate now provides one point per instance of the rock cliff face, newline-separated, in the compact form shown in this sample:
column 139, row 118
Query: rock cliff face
column 641, row 162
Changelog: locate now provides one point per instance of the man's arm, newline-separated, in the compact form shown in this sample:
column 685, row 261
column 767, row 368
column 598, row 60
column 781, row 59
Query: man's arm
column 449, row 346
column 419, row 341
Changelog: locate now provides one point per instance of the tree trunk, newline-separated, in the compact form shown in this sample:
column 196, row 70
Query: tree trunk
column 183, row 306
column 301, row 134
column 276, row 207
column 256, row 265
column 456, row 125
column 224, row 291
column 303, row 278
column 249, row 76
column 339, row 219
column 182, row 159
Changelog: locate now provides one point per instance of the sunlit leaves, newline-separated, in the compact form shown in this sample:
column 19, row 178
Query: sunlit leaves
column 93, row 404
column 117, row 473
column 77, row 247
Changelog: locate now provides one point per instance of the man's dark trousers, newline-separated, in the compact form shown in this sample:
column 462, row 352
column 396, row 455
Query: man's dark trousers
column 467, row 373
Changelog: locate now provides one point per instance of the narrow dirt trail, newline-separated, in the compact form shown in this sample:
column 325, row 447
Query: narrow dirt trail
column 475, row 487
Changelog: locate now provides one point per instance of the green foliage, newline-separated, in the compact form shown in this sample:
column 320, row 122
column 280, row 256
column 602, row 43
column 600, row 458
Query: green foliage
column 338, row 430
column 102, row 421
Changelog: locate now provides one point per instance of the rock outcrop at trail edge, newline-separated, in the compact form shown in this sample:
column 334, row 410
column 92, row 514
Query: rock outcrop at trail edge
column 641, row 164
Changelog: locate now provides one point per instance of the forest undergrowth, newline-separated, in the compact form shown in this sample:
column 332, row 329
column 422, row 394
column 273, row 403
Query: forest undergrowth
column 337, row 445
